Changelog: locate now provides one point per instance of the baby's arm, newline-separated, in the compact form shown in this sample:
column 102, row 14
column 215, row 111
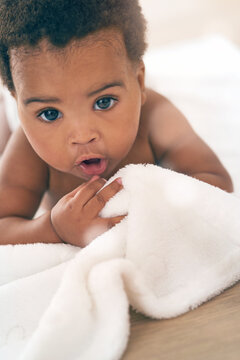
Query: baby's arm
column 178, row 147
column 23, row 181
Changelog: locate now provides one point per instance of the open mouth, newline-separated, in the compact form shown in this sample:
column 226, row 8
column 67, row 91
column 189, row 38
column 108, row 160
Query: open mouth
column 95, row 166
column 92, row 161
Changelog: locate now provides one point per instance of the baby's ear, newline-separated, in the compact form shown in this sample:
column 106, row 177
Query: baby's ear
column 141, row 80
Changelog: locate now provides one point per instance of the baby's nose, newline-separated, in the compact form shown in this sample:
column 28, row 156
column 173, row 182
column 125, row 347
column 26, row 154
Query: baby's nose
column 83, row 134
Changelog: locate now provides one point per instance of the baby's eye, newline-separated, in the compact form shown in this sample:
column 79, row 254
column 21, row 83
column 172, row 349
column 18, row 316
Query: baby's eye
column 50, row 115
column 104, row 103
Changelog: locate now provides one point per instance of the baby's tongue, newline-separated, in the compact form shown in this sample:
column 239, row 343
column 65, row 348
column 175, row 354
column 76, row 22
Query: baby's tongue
column 94, row 166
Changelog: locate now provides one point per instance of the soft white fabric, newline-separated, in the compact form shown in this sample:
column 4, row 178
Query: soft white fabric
column 178, row 246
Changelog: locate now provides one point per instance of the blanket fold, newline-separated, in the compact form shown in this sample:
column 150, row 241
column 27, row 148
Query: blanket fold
column 178, row 246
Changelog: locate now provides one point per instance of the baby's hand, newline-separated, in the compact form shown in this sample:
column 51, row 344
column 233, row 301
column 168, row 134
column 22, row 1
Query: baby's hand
column 75, row 218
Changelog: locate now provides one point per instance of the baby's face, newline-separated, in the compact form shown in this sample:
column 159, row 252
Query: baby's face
column 80, row 107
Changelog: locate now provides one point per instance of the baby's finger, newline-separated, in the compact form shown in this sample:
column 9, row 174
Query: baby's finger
column 74, row 191
column 97, row 203
column 117, row 219
column 88, row 191
column 110, row 222
column 100, row 226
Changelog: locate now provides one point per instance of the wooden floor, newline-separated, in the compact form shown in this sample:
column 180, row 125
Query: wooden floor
column 212, row 331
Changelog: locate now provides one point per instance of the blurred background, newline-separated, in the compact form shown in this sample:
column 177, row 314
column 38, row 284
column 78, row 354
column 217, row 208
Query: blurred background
column 177, row 20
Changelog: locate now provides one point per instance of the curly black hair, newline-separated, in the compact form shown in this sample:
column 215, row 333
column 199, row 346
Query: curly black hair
column 27, row 22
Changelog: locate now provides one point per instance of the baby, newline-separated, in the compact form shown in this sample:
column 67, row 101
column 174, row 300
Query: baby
column 76, row 71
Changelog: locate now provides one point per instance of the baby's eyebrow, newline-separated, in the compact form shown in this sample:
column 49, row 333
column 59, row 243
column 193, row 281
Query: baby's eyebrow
column 107, row 86
column 41, row 100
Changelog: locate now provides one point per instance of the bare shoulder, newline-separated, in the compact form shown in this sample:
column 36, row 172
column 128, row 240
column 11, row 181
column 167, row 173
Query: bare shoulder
column 175, row 143
column 167, row 125
column 23, row 178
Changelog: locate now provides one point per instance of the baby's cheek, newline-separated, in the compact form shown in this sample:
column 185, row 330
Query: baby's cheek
column 124, row 142
column 46, row 150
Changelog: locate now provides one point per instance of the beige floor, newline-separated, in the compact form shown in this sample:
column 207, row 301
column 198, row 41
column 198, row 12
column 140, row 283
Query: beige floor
column 177, row 20
column 210, row 332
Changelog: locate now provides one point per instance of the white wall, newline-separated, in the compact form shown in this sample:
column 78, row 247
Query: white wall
column 176, row 20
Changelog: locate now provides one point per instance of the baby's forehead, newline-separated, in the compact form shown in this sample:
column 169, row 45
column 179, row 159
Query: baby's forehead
column 105, row 38
column 91, row 60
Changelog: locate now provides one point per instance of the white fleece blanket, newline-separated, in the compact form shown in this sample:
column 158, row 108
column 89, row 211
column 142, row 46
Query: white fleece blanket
column 178, row 247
